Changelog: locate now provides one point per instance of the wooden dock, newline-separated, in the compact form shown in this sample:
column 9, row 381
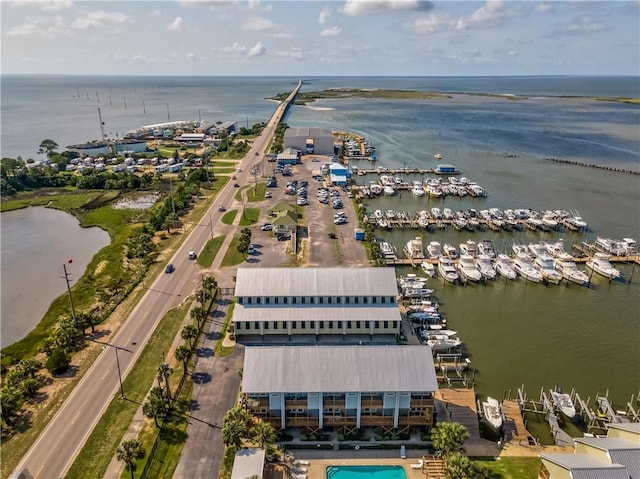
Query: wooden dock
column 461, row 407
column 514, row 429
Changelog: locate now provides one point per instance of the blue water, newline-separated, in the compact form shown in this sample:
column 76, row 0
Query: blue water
column 366, row 472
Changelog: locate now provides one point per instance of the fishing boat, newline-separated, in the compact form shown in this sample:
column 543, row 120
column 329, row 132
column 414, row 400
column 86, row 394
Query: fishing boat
column 492, row 413
column 609, row 246
column 555, row 249
column 544, row 264
column 438, row 156
column 600, row 264
column 483, row 262
column 450, row 251
column 442, row 342
column 537, row 249
column 469, row 248
column 388, row 250
column 503, row 267
column 487, row 247
column 468, row 269
column 434, row 249
column 447, row 270
column 388, row 190
column 428, row 268
column 565, row 265
column 564, row 404
column 414, row 249
column 417, row 189
column 411, row 280
column 522, row 265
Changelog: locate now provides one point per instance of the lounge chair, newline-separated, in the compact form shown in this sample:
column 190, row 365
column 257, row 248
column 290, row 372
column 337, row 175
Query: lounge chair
column 300, row 462
column 417, row 465
column 298, row 476
column 299, row 470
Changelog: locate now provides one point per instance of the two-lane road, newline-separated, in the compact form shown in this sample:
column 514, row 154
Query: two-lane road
column 57, row 447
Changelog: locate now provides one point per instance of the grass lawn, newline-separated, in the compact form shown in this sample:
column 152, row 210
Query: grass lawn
column 209, row 252
column 233, row 256
column 513, row 467
column 105, row 438
column 250, row 216
column 256, row 193
column 229, row 216
column 221, row 350
column 217, row 170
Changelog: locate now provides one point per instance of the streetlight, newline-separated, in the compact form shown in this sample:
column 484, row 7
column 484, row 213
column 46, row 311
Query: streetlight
column 66, row 278
column 115, row 348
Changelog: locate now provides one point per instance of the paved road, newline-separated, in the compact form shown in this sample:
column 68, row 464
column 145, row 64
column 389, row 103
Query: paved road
column 57, row 447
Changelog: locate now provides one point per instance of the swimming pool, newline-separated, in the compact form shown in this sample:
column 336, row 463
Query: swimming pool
column 366, row 472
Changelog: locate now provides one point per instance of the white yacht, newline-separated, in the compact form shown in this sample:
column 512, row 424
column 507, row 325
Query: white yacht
column 537, row 249
column 492, row 413
column 564, row 404
column 414, row 249
column 428, row 268
column 442, row 342
column 375, row 189
column 522, row 265
column 469, row 248
column 388, row 250
column 434, row 249
column 555, row 249
column 483, row 262
column 486, row 247
column 609, row 246
column 388, row 190
column 600, row 264
column 411, row 280
column 418, row 189
column 447, row 270
column 565, row 265
column 544, row 264
column 468, row 269
column 436, row 213
column 450, row 251
column 504, row 268
column 630, row 246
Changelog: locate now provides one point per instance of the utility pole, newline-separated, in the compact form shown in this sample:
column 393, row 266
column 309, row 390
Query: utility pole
column 173, row 206
column 211, row 224
column 73, row 310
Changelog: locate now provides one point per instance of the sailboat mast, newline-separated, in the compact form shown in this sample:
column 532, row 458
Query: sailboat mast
column 102, row 135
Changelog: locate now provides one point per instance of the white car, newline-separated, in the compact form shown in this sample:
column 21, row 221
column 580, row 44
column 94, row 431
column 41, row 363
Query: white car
column 238, row 170
column 193, row 255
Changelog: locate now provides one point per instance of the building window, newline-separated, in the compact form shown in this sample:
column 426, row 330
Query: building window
column 376, row 324
column 285, row 300
column 313, row 325
column 267, row 300
column 247, row 325
column 321, row 324
column 383, row 299
column 275, row 325
column 374, row 300
column 249, row 300
column 356, row 300
column 348, row 324
column 284, row 325
column 276, row 300
column 347, row 300
column 303, row 325
column 256, row 325
column 266, row 325
column 358, row 324
column 367, row 324
column 294, row 300
column 320, row 300
column 312, row 300
column 330, row 325
column 294, row 325
column 385, row 324
column 339, row 324
column 365, row 300
column 303, row 300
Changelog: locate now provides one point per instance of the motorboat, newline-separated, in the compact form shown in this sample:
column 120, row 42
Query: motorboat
column 469, row 248
column 468, row 269
column 565, row 265
column 436, row 213
column 428, row 268
column 434, row 191
column 450, row 251
column 564, row 404
column 483, row 262
column 387, row 250
column 423, row 219
column 460, row 223
column 549, row 220
column 434, row 249
column 555, row 249
column 522, row 265
column 414, row 249
column 630, row 246
column 609, row 246
column 537, row 249
column 487, row 247
column 544, row 264
column 375, row 189
column 411, row 280
column 520, row 250
column 447, row 270
column 601, row 265
column 492, row 412
column 438, row 156
column 418, row 189
column 388, row 190
column 503, row 267
column 442, row 342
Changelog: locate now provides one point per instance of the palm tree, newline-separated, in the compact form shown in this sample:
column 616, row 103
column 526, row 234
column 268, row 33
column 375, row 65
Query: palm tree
column 198, row 314
column 233, row 433
column 263, row 434
column 130, row 452
column 163, row 372
column 183, row 353
column 448, row 438
column 203, row 296
column 209, row 283
column 190, row 333
column 155, row 406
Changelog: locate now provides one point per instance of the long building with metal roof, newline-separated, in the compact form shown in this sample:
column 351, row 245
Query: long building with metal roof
column 316, row 304
column 315, row 387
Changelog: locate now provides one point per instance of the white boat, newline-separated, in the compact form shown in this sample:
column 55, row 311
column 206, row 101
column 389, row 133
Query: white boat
column 537, row 249
column 443, row 342
column 438, row 156
column 544, row 264
column 600, row 264
column 383, row 222
column 428, row 268
column 414, row 249
column 377, row 214
column 630, row 246
column 434, row 249
column 549, row 220
column 609, row 246
column 447, row 270
column 563, row 402
column 483, row 262
column 503, row 267
column 469, row 248
column 450, row 251
column 565, row 265
column 468, row 269
column 375, row 189
column 492, row 413
column 522, row 265
column 434, row 191
column 418, row 189
column 388, row 190
column 423, row 219
column 486, row 247
column 520, row 250
column 436, row 213
column 555, row 249
column 388, row 250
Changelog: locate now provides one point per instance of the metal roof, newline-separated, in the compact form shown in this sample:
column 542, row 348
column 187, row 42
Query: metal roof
column 629, row 458
column 302, row 312
column 609, row 443
column 307, row 132
column 291, row 369
column 585, row 466
column 248, row 463
column 316, row 282
column 626, row 426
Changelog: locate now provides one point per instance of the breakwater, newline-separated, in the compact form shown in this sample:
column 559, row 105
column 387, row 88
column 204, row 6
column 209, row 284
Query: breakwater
column 591, row 165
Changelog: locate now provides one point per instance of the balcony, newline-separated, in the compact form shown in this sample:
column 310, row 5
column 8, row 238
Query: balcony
column 338, row 421
column 376, row 421
column 299, row 421
column 295, row 403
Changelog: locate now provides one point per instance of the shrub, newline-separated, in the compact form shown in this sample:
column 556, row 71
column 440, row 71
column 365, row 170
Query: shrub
column 58, row 361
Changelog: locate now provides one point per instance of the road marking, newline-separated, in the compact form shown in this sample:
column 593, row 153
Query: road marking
column 106, row 374
column 75, row 418
column 39, row 471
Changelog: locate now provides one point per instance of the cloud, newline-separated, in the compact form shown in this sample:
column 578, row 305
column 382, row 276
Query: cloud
column 491, row 14
column 283, row 35
column 258, row 6
column 325, row 13
column 433, row 23
column 257, row 50
column 294, row 54
column 136, row 59
column 235, row 48
column 203, row 3
column 194, row 58
column 98, row 19
column 512, row 53
column 331, row 32
column 584, row 24
column 545, row 8
column 364, row 7
column 257, row 24
column 176, row 25
column 41, row 26
column 45, row 5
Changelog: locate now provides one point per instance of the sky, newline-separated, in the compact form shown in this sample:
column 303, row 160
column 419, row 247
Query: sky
column 304, row 38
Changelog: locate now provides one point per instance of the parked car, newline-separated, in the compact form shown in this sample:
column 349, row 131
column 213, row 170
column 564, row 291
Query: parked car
column 267, row 227
column 251, row 249
column 236, row 185
column 170, row 268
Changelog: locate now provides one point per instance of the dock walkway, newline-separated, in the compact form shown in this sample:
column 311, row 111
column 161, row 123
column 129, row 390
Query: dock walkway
column 514, row 429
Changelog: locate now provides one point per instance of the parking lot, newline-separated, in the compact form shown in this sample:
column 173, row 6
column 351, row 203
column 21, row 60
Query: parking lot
column 323, row 240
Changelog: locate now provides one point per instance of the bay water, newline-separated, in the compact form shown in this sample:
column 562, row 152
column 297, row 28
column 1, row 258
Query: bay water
column 515, row 332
